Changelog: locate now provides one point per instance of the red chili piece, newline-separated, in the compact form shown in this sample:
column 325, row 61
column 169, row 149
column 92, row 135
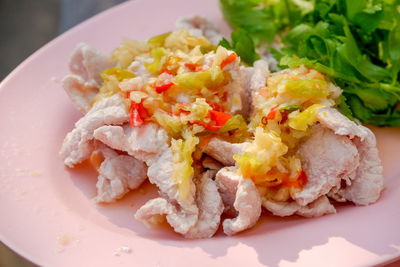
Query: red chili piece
column 272, row 114
column 220, row 118
column 302, row 179
column 167, row 71
column 182, row 108
column 228, row 60
column 298, row 182
column 284, row 115
column 162, row 88
column 137, row 114
column 209, row 126
column 191, row 66
column 134, row 118
column 216, row 106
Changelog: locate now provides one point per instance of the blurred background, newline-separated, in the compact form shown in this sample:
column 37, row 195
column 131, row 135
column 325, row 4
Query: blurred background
column 27, row 25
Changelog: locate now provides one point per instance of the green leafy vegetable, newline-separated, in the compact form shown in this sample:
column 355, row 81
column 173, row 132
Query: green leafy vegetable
column 355, row 43
column 243, row 45
column 262, row 20
column 344, row 108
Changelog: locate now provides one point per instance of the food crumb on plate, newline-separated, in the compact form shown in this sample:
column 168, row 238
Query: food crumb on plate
column 123, row 249
column 64, row 240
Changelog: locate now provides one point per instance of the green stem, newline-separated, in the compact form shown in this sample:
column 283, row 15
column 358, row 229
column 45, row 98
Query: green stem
column 288, row 12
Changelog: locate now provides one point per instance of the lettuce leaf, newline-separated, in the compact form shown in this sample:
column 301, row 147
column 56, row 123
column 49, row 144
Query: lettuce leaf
column 243, row 45
column 355, row 43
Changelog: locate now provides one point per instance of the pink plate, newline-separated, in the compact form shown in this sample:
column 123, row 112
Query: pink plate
column 47, row 214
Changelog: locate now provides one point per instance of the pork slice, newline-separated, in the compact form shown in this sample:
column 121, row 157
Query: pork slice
column 77, row 145
column 118, row 174
column 367, row 182
column 184, row 214
column 154, row 208
column 245, row 76
column 332, row 119
column 200, row 26
column 252, row 79
column 279, row 208
column 267, row 56
column 160, row 173
column 80, row 94
column 151, row 211
column 149, row 143
column 86, row 64
column 210, row 207
column 227, row 181
column 223, row 151
column 248, row 205
column 207, row 220
column 145, row 142
column 260, row 75
column 326, row 158
column 336, row 192
column 113, row 136
column 211, row 164
column 179, row 220
column 317, row 208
